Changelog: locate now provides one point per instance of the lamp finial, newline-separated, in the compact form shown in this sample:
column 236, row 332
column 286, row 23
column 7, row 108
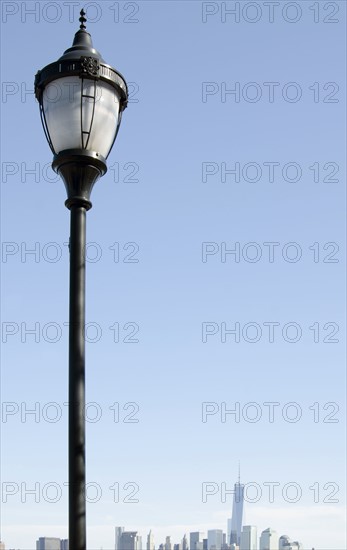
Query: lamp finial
column 82, row 20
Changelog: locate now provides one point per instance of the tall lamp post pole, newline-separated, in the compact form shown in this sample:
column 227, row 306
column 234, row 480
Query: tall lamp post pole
column 81, row 102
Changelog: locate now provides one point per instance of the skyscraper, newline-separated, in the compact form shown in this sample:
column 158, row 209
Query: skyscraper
column 215, row 539
column 236, row 519
column 118, row 534
column 196, row 540
column 249, row 538
column 268, row 540
column 150, row 541
column 127, row 540
column 168, row 544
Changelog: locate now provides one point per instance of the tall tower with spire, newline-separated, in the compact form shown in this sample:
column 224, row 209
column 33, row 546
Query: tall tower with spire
column 150, row 541
column 236, row 518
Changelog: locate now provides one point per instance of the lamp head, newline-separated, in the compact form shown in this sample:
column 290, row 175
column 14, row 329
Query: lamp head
column 81, row 101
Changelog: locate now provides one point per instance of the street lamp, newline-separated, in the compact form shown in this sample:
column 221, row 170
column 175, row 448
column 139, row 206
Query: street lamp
column 81, row 102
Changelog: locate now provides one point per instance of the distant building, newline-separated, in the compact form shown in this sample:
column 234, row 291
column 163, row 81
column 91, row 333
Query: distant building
column 215, row 539
column 196, row 540
column 268, row 540
column 285, row 543
column 168, row 545
column 48, row 543
column 229, row 529
column 185, row 543
column 127, row 540
column 150, row 541
column 118, row 534
column 249, row 540
column 2, row 545
column 235, row 526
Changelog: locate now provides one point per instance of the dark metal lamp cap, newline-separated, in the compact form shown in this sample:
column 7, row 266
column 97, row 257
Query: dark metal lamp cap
column 82, row 44
column 82, row 59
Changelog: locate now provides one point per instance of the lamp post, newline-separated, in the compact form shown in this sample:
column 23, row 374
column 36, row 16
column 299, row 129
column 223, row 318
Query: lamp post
column 81, row 102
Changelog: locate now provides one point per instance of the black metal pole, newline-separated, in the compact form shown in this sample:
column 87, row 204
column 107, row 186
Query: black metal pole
column 77, row 468
column 79, row 171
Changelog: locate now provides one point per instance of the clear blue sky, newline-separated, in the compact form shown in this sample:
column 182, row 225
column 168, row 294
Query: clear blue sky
column 180, row 134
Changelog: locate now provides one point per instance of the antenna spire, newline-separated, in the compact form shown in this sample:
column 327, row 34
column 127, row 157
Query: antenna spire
column 239, row 472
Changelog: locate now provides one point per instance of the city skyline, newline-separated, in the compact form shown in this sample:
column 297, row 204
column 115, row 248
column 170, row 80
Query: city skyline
column 210, row 539
column 131, row 540
column 215, row 539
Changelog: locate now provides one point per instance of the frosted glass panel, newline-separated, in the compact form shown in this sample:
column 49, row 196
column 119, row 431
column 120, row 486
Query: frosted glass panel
column 62, row 107
column 105, row 118
column 61, row 104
